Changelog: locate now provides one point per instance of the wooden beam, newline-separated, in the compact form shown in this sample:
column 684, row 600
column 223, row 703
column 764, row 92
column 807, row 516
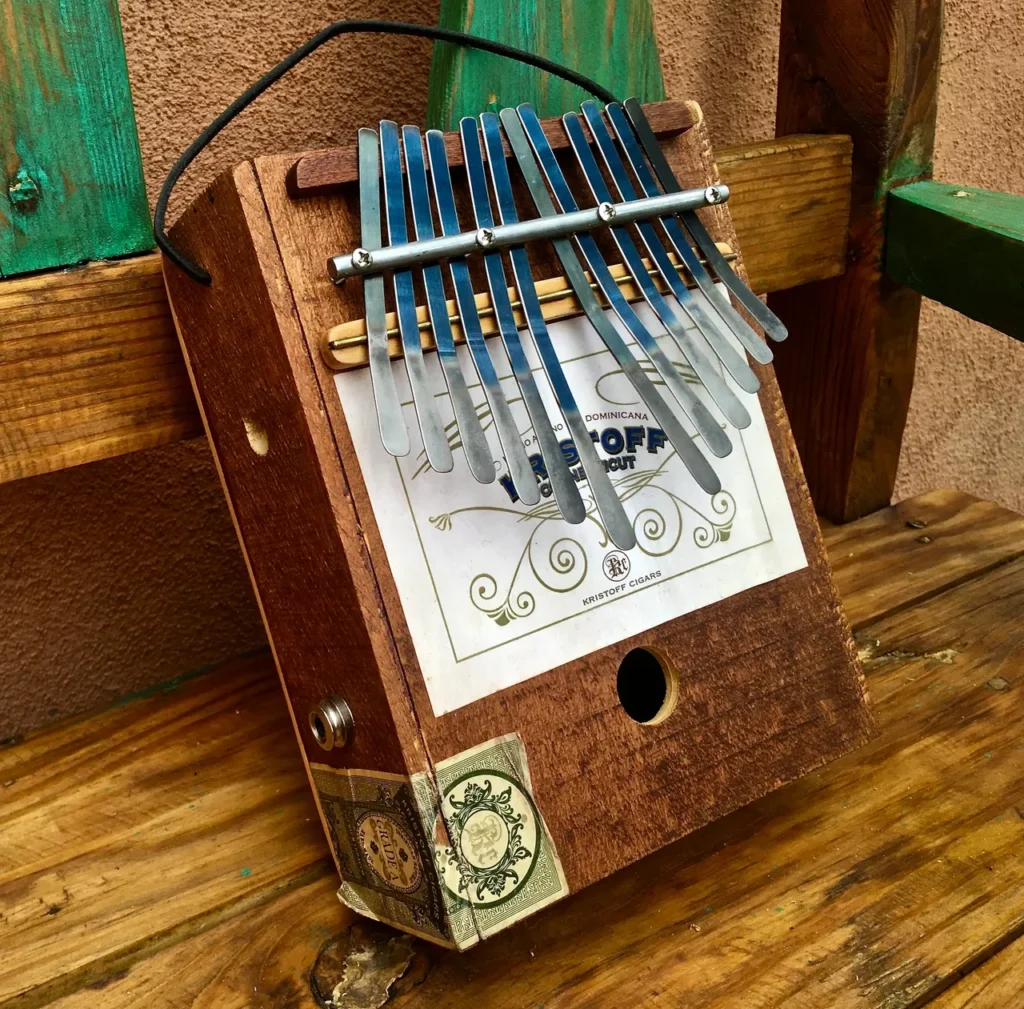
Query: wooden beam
column 868, row 68
column 90, row 365
column 963, row 247
column 72, row 170
column 612, row 43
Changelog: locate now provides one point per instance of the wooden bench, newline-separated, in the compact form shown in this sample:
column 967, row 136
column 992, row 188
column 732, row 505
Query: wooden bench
column 167, row 852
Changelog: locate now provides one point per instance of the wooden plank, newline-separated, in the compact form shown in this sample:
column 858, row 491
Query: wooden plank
column 790, row 205
column 614, row 45
column 90, row 362
column 90, row 367
column 124, row 832
column 868, row 68
column 961, row 246
column 71, row 162
column 867, row 883
column 996, row 984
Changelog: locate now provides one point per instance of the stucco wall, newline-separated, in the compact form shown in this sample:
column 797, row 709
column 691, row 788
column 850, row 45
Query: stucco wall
column 124, row 573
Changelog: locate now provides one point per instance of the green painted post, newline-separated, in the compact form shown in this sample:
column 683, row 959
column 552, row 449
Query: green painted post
column 962, row 247
column 611, row 41
column 72, row 184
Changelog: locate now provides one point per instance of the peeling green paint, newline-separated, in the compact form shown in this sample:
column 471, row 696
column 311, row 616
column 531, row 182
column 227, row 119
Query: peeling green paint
column 72, row 170
column 613, row 43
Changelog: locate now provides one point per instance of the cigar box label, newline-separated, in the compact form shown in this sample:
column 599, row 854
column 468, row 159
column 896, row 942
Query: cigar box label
column 499, row 863
column 452, row 857
column 495, row 591
column 386, row 859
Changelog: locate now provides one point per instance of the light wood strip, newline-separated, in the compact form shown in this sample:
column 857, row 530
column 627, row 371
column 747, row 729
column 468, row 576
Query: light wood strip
column 126, row 834
column 997, row 983
column 90, row 365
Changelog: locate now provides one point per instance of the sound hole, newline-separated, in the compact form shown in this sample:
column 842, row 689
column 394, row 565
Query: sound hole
column 646, row 685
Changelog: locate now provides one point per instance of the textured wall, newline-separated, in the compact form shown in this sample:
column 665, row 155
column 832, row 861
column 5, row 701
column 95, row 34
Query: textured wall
column 124, row 573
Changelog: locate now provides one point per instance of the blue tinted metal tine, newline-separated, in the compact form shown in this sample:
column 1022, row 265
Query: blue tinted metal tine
column 711, row 327
column 531, row 134
column 435, row 442
column 566, row 492
column 609, row 507
column 474, row 441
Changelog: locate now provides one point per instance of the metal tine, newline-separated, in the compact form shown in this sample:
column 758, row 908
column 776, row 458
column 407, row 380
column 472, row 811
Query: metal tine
column 735, row 363
column 753, row 344
column 688, row 452
column 474, row 441
column 523, row 478
column 609, row 507
column 663, row 170
column 567, row 494
column 393, row 432
column 698, row 413
column 735, row 412
column 435, row 442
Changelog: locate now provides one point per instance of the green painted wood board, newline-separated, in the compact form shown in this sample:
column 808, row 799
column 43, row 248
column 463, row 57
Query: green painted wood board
column 73, row 188
column 962, row 247
column 612, row 42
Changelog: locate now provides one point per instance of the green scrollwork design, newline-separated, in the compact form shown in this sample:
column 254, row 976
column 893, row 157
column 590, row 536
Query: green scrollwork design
column 483, row 590
column 723, row 504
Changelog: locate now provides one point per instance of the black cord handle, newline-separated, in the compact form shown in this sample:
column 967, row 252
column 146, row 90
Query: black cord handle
column 247, row 97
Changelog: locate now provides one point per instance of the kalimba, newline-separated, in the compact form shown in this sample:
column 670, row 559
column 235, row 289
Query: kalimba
column 518, row 497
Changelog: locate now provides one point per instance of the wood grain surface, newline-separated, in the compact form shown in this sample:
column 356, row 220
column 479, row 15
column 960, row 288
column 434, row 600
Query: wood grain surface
column 879, row 881
column 867, row 68
column 90, row 367
column 613, row 44
column 90, row 363
column 71, row 166
column 961, row 246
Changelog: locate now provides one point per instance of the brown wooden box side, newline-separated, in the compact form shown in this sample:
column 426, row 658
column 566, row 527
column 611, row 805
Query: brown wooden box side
column 263, row 414
column 769, row 686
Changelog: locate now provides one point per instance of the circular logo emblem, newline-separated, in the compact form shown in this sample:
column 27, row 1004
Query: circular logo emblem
column 389, row 852
column 615, row 566
column 496, row 837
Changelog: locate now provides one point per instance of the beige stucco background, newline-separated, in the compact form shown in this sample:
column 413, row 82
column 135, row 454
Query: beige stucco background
column 125, row 573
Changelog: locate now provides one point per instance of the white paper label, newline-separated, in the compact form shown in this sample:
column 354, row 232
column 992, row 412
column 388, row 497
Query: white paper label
column 496, row 592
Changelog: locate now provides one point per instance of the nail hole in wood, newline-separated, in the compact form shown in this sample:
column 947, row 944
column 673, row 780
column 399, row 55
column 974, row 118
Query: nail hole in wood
column 647, row 685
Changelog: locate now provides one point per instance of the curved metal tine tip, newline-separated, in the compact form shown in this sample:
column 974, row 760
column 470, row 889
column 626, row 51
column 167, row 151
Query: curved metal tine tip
column 566, row 492
column 663, row 170
column 709, row 329
column 716, row 299
column 735, row 412
column 526, row 135
column 393, row 433
column 508, row 433
column 609, row 507
column 474, row 441
column 435, row 441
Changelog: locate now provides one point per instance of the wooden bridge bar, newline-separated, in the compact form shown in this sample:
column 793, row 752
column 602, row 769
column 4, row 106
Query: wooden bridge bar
column 868, row 68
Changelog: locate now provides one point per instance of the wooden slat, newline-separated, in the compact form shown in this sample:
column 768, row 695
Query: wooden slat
column 790, row 205
column 868, row 68
column 90, row 367
column 90, row 364
column 72, row 171
column 996, row 984
column 961, row 246
column 613, row 44
column 98, row 823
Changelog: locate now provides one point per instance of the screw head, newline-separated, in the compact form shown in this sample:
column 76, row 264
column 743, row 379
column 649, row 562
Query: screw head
column 484, row 238
column 716, row 194
column 362, row 258
column 606, row 212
